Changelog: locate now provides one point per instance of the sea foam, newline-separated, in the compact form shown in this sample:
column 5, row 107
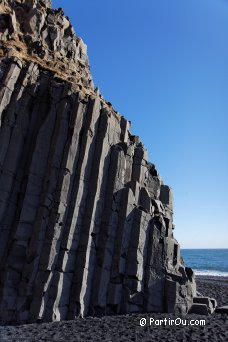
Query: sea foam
column 212, row 273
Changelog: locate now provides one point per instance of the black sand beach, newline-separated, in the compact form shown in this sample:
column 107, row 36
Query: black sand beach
column 127, row 328
column 216, row 287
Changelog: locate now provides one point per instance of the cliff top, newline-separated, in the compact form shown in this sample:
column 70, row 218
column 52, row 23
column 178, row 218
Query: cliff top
column 33, row 31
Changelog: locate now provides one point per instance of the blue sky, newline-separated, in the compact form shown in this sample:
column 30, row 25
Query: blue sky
column 164, row 66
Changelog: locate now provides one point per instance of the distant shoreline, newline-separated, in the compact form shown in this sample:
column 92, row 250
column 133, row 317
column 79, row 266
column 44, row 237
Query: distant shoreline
column 209, row 278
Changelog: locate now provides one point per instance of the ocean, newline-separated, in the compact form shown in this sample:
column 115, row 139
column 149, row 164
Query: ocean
column 211, row 262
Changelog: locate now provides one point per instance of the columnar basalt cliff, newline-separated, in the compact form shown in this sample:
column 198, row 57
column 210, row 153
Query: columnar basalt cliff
column 85, row 220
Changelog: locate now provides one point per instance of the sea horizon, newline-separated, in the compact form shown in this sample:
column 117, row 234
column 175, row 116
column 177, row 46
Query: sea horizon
column 214, row 248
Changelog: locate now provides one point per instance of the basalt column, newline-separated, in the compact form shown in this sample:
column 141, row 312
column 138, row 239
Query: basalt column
column 85, row 219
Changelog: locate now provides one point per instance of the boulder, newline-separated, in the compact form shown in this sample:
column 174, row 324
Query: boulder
column 210, row 302
column 222, row 309
column 200, row 309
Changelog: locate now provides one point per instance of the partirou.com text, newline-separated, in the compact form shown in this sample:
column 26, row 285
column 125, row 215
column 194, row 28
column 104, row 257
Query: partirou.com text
column 171, row 321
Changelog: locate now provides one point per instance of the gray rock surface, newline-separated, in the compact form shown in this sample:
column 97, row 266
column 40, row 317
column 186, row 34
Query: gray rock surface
column 199, row 308
column 210, row 302
column 85, row 220
column 222, row 309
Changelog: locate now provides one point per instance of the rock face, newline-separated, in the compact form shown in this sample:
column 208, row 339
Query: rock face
column 85, row 220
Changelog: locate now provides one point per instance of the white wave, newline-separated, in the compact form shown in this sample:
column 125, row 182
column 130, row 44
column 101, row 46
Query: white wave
column 213, row 273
